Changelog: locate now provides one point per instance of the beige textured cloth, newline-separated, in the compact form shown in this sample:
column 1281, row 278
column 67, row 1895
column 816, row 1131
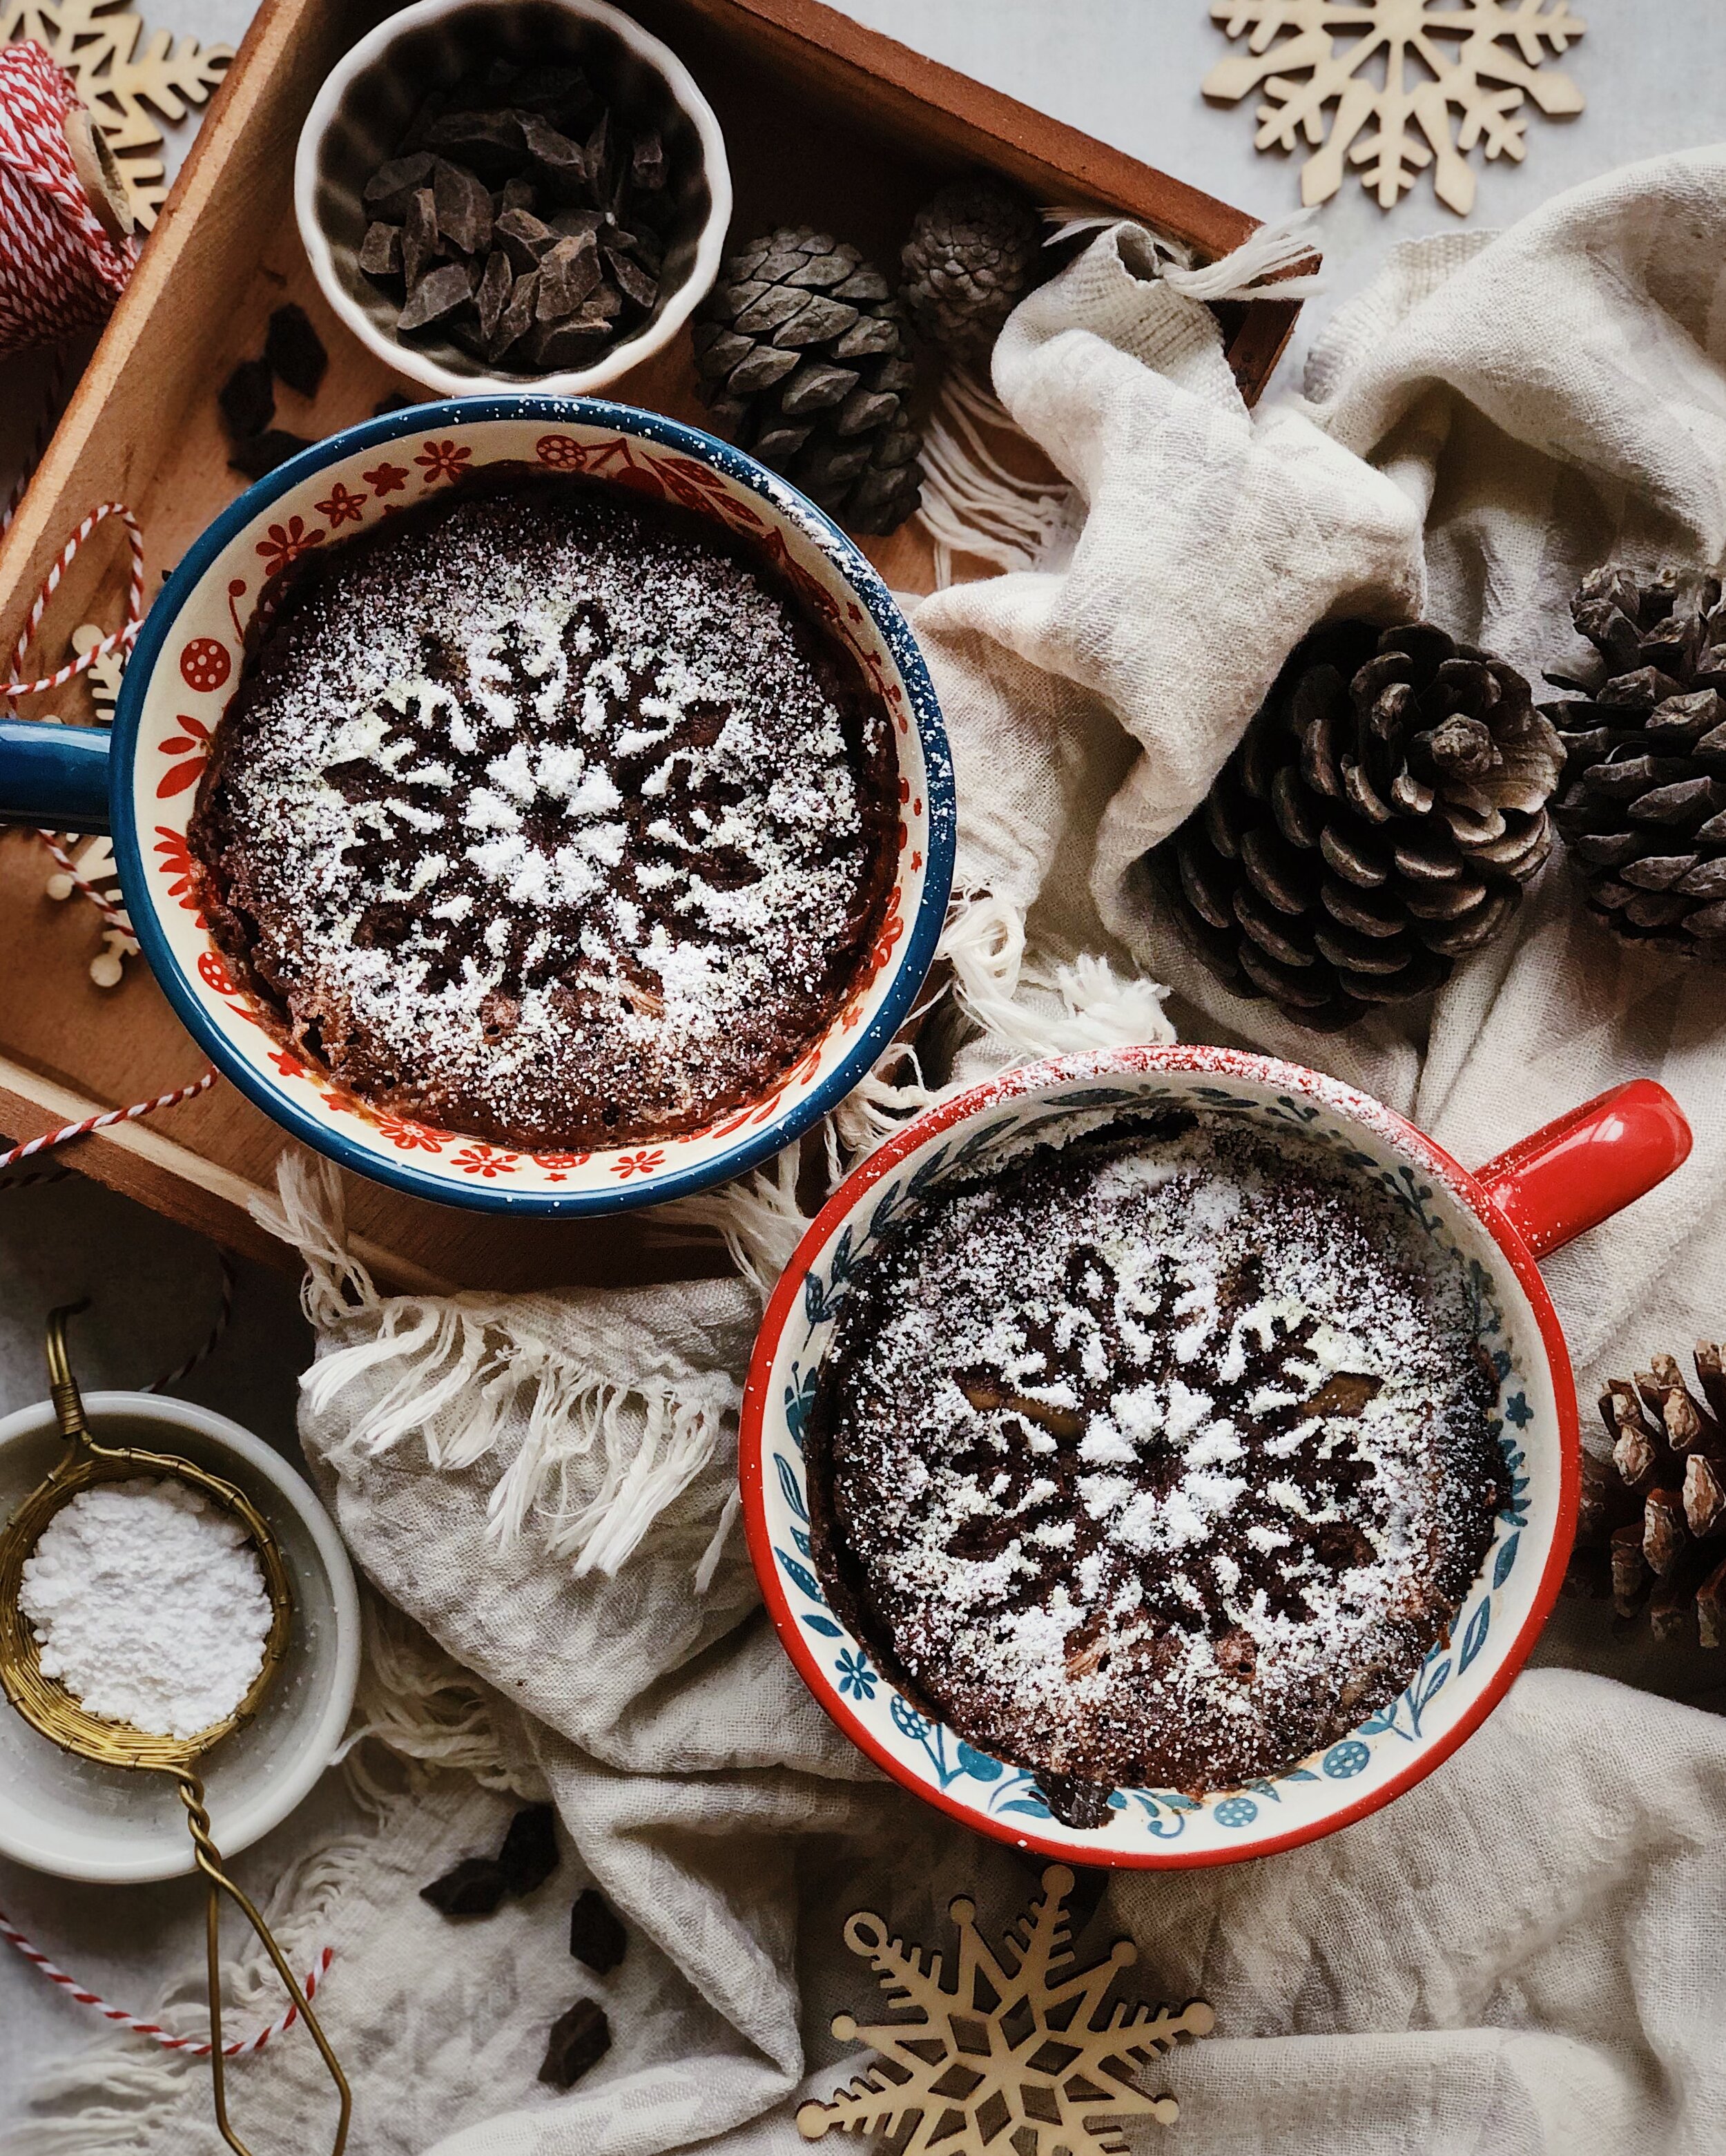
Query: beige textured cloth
column 1522, row 1955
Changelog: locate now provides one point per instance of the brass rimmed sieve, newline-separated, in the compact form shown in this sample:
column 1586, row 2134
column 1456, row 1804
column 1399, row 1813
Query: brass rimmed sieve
column 47, row 1706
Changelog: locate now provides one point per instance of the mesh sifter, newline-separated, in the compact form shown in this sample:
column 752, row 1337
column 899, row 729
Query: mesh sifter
column 48, row 1707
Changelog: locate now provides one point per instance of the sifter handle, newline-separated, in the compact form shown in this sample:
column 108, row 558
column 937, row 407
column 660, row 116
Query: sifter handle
column 209, row 1862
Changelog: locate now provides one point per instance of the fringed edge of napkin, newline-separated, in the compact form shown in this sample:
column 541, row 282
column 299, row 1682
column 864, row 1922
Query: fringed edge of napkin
column 463, row 1362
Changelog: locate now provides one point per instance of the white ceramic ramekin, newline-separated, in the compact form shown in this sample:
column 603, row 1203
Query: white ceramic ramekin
column 117, row 1824
column 364, row 108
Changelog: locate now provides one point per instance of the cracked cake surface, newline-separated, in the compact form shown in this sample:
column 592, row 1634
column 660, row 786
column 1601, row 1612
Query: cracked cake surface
column 547, row 812
column 1160, row 1458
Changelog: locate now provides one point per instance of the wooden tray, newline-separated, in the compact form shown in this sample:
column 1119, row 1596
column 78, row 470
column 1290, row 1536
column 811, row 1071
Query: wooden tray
column 824, row 122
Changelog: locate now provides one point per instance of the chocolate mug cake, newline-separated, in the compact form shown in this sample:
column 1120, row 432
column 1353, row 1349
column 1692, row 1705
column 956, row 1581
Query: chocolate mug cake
column 1158, row 1457
column 548, row 812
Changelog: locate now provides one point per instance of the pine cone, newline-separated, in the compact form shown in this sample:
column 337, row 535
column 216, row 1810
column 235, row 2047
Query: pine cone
column 1643, row 809
column 973, row 254
column 803, row 356
column 1378, row 820
column 1650, row 1527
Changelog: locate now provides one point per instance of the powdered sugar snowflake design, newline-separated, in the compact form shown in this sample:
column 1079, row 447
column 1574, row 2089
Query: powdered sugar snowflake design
column 1439, row 77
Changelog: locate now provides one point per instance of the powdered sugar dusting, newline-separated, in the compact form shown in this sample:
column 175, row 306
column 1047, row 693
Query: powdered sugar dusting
column 1162, row 1459
column 545, row 815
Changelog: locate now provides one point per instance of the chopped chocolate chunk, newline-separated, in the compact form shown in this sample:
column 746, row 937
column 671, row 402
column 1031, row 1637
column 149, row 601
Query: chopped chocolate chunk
column 514, row 194
column 431, row 108
column 247, row 400
column 555, row 159
column 294, row 349
column 474, row 1887
column 557, row 93
column 420, row 244
column 647, row 162
column 263, row 452
column 633, row 281
column 523, row 237
column 493, row 296
column 569, row 272
column 380, row 251
column 390, row 187
column 396, row 401
column 487, row 143
column 562, row 347
column 596, row 154
column 597, row 1938
column 437, row 295
column 530, row 1854
column 463, row 203
column 517, row 317
column 578, row 2041
column 572, row 221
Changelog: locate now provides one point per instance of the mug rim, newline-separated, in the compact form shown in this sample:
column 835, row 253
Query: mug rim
column 1190, row 1058
column 910, row 962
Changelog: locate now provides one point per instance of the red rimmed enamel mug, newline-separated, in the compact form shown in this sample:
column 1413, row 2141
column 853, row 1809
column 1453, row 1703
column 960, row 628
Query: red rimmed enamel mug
column 1495, row 1223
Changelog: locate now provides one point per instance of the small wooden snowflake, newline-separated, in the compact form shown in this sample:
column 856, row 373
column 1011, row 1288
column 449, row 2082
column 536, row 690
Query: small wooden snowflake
column 98, row 43
column 1021, row 2057
column 1437, row 77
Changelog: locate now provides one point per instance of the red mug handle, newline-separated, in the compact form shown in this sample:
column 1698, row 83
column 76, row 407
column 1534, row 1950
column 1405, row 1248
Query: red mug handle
column 1572, row 1174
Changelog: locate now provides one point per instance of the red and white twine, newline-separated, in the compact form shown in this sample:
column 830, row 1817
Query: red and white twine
column 68, row 1131
column 194, row 2047
column 59, row 271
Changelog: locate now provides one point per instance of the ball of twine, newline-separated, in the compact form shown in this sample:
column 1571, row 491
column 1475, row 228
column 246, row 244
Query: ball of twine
column 67, row 243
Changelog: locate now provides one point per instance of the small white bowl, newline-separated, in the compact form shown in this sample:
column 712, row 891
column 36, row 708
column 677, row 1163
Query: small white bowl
column 83, row 1820
column 365, row 106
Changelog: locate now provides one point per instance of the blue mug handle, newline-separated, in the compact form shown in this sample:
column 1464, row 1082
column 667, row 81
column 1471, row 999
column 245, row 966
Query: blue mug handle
column 53, row 776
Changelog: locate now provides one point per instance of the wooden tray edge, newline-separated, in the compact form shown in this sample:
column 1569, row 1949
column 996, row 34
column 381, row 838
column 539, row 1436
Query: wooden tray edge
column 140, row 1163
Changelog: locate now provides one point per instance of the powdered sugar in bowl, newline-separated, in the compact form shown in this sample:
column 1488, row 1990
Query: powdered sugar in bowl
column 1478, row 1235
column 85, row 1819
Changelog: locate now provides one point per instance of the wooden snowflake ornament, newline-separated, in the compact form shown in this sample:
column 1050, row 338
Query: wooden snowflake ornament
column 1019, row 2058
column 1437, row 76
column 98, row 43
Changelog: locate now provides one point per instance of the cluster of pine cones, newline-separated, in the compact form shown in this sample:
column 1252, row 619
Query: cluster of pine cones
column 1396, row 792
column 1649, row 1527
column 806, row 351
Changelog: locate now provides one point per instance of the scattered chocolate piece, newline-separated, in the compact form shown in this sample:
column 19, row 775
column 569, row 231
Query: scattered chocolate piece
column 530, row 1854
column 472, row 1888
column 419, row 236
column 514, row 194
column 437, row 294
column 247, row 400
column 597, row 1938
column 263, row 452
column 391, row 186
column 463, row 203
column 578, row 2041
column 380, row 251
column 295, row 351
column 396, row 401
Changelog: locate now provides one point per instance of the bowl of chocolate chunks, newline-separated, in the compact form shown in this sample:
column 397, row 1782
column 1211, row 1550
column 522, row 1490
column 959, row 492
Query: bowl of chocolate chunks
column 499, row 194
